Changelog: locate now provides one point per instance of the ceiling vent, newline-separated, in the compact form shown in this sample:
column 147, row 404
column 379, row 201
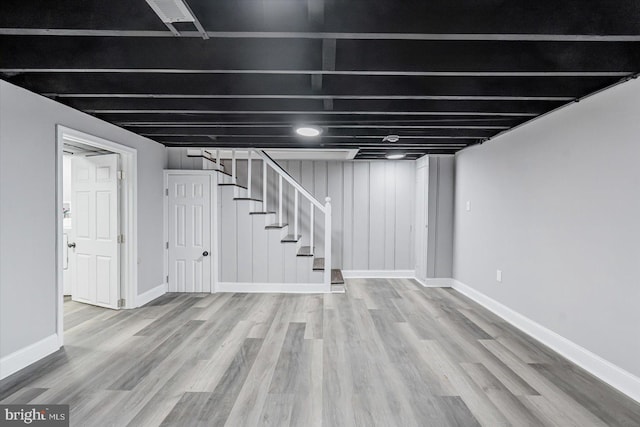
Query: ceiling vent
column 391, row 138
column 171, row 11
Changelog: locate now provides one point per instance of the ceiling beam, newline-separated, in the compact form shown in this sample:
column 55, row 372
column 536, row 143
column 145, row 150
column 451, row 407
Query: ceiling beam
column 218, row 144
column 328, row 72
column 322, row 137
column 325, row 35
column 328, row 64
column 287, row 125
column 311, row 96
column 357, row 113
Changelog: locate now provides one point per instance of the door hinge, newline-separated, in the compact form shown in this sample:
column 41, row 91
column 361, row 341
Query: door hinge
column 166, row 245
column 120, row 175
column 167, row 279
column 166, row 191
column 120, row 238
column 121, row 302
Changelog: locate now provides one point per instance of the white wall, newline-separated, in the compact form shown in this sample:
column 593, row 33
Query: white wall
column 177, row 159
column 28, row 203
column 555, row 205
column 372, row 203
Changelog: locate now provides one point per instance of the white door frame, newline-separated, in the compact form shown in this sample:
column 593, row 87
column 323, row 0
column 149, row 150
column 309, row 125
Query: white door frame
column 215, row 252
column 128, row 218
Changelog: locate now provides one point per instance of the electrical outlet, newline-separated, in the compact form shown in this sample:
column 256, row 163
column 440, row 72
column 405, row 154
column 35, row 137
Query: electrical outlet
column 499, row 275
column 468, row 205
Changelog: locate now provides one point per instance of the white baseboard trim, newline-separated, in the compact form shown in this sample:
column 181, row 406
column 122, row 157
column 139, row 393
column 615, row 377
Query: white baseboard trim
column 151, row 294
column 378, row 274
column 272, row 288
column 22, row 358
column 613, row 375
column 436, row 282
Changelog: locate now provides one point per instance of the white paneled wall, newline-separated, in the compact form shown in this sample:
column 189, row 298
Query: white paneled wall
column 372, row 201
column 177, row 159
column 372, row 210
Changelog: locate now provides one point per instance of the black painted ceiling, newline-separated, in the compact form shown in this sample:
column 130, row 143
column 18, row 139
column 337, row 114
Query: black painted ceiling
column 441, row 74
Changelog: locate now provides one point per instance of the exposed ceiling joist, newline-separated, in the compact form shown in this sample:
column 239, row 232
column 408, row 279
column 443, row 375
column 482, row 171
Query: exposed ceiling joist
column 310, row 96
column 315, row 113
column 325, row 35
column 328, row 72
column 360, row 70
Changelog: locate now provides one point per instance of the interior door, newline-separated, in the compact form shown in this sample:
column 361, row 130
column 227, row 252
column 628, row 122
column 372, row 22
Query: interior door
column 189, row 220
column 94, row 245
column 422, row 185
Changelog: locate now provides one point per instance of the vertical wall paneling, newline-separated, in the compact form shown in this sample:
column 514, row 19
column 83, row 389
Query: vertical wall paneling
column 390, row 209
column 404, row 216
column 260, row 249
column 320, row 193
column 335, row 189
column 372, row 212
column 361, row 231
column 177, row 159
column 228, row 248
column 347, row 218
column 377, row 202
column 244, row 235
column 306, row 180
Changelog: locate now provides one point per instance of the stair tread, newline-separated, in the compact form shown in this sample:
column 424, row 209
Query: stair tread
column 318, row 264
column 261, row 213
column 290, row 238
column 336, row 277
column 276, row 225
column 223, row 172
column 247, row 198
column 230, row 184
column 305, row 251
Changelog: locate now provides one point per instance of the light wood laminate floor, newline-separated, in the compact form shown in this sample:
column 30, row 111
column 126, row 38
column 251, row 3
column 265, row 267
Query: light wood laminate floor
column 386, row 353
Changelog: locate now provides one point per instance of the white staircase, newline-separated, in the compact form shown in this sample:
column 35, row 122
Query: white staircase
column 256, row 248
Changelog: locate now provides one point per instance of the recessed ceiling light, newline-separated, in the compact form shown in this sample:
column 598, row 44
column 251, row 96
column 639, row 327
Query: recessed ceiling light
column 391, row 138
column 308, row 131
column 396, row 156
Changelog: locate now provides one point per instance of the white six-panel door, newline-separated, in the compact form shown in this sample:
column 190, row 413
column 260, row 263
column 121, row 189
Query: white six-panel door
column 189, row 221
column 95, row 272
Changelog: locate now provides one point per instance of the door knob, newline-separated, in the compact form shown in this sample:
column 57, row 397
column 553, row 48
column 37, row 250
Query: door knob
column 71, row 245
column 205, row 253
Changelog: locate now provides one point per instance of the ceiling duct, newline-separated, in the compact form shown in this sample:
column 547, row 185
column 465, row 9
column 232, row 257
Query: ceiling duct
column 176, row 11
column 171, row 11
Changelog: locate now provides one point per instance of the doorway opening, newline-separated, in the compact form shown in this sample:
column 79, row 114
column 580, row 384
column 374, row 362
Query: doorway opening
column 96, row 223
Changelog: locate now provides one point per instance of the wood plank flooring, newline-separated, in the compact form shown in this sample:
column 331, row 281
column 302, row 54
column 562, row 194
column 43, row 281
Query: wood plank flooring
column 386, row 353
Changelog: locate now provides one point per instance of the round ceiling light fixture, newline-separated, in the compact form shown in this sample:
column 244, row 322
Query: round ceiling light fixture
column 308, row 131
column 395, row 156
column 391, row 138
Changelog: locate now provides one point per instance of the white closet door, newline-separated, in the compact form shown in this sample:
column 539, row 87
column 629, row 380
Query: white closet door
column 95, row 270
column 189, row 219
